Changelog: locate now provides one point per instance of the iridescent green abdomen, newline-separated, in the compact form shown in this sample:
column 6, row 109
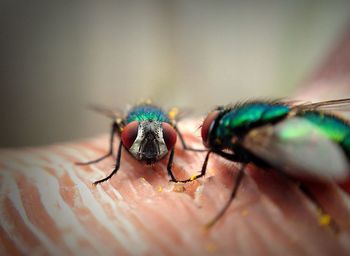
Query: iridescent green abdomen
column 241, row 119
column 147, row 112
column 333, row 127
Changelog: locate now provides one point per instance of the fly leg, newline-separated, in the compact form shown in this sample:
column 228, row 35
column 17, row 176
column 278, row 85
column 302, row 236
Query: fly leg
column 116, row 168
column 170, row 166
column 227, row 156
column 115, row 127
column 203, row 170
column 185, row 147
column 237, row 182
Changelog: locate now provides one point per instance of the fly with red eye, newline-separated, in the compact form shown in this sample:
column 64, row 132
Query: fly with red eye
column 304, row 142
column 147, row 133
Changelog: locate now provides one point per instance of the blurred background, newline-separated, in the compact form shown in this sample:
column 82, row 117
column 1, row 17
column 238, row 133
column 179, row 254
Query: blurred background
column 59, row 56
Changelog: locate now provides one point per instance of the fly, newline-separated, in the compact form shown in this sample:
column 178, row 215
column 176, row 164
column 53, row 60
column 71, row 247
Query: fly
column 304, row 141
column 147, row 132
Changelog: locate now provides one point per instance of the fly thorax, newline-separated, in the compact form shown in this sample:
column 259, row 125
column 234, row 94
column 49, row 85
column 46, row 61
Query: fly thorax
column 149, row 145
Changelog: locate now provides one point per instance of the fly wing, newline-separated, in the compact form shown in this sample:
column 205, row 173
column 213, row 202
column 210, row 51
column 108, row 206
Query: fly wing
column 330, row 105
column 299, row 148
column 106, row 111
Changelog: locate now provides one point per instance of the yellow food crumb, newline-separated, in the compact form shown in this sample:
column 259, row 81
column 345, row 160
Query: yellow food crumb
column 324, row 220
column 211, row 247
column 160, row 189
column 173, row 113
column 244, row 213
column 193, row 177
column 179, row 188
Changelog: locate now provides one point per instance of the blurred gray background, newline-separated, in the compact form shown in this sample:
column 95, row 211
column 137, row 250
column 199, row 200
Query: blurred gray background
column 57, row 57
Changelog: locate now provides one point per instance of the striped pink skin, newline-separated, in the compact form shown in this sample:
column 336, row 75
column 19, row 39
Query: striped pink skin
column 49, row 206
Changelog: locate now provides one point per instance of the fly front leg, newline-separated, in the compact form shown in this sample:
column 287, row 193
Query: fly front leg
column 116, row 168
column 170, row 166
column 114, row 129
column 203, row 170
column 237, row 183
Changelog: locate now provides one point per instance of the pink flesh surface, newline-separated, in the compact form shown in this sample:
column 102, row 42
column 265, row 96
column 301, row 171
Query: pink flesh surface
column 49, row 206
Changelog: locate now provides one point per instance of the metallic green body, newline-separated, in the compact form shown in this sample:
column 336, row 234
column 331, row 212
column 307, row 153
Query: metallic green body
column 333, row 127
column 147, row 112
column 241, row 119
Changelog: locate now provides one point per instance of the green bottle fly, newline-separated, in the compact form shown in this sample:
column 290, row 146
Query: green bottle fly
column 304, row 141
column 146, row 132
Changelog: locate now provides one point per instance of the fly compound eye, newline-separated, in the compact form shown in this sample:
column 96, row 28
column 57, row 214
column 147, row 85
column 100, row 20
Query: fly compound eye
column 207, row 125
column 169, row 135
column 129, row 134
